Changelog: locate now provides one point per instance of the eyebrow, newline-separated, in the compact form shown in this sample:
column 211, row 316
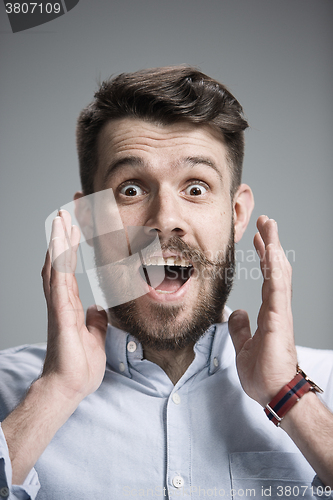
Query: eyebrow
column 203, row 160
column 136, row 161
column 115, row 165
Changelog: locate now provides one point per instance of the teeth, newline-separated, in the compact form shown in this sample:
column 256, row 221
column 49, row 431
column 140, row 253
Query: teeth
column 169, row 261
column 163, row 291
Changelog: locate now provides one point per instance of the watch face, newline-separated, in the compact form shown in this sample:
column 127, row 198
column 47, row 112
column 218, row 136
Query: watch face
column 314, row 386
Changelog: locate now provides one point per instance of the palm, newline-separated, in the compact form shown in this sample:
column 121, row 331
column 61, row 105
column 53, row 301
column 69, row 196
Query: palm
column 267, row 361
column 75, row 353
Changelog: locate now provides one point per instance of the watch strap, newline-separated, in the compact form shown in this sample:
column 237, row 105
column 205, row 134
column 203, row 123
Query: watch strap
column 288, row 396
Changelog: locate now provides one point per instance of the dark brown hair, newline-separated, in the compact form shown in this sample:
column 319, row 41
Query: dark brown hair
column 166, row 96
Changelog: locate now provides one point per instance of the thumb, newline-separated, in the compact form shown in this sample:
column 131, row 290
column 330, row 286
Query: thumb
column 239, row 328
column 97, row 323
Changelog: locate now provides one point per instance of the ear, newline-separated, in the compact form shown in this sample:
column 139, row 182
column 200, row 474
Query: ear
column 243, row 204
column 84, row 216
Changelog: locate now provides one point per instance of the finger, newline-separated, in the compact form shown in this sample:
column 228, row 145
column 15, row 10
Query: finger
column 268, row 230
column 276, row 289
column 261, row 251
column 67, row 222
column 275, row 261
column 239, row 328
column 258, row 240
column 68, row 257
column 97, row 322
column 278, row 270
column 267, row 243
column 46, row 273
column 58, row 283
column 261, row 221
column 59, row 250
column 259, row 246
column 51, row 256
column 75, row 241
column 67, row 226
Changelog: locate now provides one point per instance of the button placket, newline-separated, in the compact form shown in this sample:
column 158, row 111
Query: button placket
column 178, row 440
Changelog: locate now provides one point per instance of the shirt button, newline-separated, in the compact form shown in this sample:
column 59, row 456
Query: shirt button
column 176, row 399
column 121, row 367
column 216, row 362
column 178, row 481
column 4, row 492
column 131, row 346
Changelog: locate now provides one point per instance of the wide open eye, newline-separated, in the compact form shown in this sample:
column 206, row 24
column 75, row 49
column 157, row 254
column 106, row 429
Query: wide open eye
column 195, row 189
column 131, row 190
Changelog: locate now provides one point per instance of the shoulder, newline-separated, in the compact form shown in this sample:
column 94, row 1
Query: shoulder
column 19, row 367
column 25, row 357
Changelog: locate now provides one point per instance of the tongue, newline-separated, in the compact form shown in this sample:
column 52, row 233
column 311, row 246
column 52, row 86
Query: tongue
column 170, row 285
column 174, row 278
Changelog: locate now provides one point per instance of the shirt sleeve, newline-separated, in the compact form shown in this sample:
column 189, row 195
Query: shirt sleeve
column 8, row 491
column 320, row 490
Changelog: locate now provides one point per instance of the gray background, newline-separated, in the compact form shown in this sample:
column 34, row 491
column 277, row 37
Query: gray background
column 276, row 57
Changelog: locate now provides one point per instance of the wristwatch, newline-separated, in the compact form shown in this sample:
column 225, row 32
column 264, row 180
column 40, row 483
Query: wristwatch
column 289, row 395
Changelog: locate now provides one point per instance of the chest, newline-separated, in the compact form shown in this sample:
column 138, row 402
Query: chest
column 199, row 441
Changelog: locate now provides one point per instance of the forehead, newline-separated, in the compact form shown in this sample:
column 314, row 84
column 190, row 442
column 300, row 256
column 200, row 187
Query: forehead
column 160, row 145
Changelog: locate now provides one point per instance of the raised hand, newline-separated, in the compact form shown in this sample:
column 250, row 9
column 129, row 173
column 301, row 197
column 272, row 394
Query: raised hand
column 267, row 361
column 75, row 358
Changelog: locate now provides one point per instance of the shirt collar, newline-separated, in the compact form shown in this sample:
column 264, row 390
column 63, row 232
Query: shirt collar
column 124, row 354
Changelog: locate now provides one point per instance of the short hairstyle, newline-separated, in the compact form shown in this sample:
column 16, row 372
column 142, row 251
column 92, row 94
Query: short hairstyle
column 165, row 96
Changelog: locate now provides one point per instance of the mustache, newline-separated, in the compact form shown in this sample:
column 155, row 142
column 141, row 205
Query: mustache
column 191, row 253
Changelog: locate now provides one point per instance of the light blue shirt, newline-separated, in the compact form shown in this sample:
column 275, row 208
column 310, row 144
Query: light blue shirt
column 139, row 436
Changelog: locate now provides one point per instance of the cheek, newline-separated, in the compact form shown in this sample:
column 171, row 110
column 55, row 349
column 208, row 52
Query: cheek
column 132, row 215
column 213, row 233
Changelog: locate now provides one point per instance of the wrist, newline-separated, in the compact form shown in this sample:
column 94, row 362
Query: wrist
column 289, row 395
column 31, row 426
column 50, row 392
column 308, row 403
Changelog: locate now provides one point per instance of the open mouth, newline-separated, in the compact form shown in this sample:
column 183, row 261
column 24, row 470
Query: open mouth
column 177, row 272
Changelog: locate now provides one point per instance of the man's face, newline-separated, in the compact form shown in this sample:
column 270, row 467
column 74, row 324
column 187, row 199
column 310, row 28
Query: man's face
column 175, row 180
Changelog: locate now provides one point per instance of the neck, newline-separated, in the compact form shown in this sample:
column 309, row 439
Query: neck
column 174, row 363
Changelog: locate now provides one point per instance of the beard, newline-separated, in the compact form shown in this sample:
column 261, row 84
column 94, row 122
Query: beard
column 160, row 328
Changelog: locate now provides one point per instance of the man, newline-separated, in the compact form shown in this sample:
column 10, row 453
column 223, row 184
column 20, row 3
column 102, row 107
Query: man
column 155, row 404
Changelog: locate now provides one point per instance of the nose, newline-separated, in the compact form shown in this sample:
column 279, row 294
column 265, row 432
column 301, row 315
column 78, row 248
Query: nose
column 166, row 216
